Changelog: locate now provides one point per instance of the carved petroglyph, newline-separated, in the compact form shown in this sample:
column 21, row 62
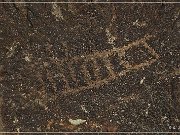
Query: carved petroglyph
column 90, row 72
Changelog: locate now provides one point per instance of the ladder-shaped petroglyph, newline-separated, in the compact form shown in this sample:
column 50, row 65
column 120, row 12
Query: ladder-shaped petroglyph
column 99, row 68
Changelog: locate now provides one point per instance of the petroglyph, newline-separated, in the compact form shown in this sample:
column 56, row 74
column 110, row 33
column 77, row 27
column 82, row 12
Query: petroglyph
column 99, row 68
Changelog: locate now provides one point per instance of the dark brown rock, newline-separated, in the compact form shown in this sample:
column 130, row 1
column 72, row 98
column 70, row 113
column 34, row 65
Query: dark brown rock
column 114, row 65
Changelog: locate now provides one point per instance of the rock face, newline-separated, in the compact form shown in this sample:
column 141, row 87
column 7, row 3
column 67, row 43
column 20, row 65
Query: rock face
column 113, row 66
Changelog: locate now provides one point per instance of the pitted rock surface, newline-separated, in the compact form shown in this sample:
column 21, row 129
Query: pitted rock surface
column 90, row 67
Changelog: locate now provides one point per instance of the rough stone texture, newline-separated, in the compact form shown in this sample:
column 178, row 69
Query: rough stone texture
column 46, row 50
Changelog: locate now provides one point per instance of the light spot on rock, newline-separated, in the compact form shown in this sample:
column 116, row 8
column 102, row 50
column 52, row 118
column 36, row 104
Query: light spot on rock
column 84, row 109
column 77, row 121
column 142, row 80
column 138, row 23
column 27, row 59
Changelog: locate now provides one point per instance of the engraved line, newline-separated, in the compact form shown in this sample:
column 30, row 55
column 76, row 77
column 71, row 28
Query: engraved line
column 104, row 54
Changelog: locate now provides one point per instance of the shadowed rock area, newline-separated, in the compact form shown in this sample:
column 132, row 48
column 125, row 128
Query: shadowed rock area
column 90, row 67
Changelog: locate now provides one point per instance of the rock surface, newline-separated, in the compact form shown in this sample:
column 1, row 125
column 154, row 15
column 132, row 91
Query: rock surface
column 114, row 65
